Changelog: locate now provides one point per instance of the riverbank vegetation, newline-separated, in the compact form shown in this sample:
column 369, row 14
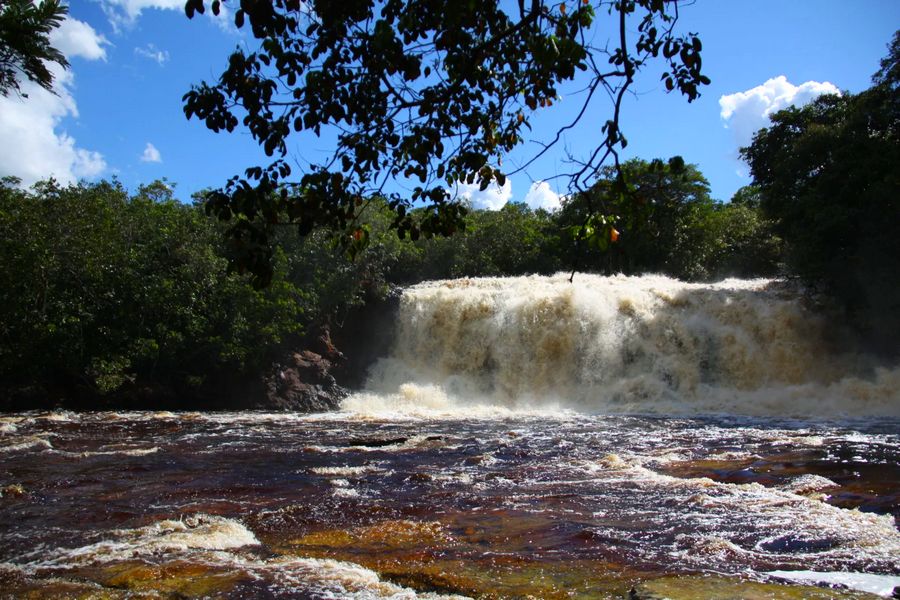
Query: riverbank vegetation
column 102, row 290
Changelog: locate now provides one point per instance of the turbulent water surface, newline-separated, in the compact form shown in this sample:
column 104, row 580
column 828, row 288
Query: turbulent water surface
column 527, row 437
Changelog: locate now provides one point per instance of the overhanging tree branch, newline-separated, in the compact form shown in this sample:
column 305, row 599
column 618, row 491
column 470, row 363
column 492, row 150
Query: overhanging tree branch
column 25, row 48
column 399, row 81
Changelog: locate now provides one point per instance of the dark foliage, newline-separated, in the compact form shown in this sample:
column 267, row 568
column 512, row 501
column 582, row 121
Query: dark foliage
column 102, row 292
column 661, row 219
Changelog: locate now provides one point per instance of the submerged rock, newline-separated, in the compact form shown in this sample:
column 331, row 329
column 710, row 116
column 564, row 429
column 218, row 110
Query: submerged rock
column 177, row 578
column 377, row 442
column 690, row 587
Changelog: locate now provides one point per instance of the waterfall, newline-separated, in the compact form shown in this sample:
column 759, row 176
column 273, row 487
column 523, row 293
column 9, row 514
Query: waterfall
column 622, row 344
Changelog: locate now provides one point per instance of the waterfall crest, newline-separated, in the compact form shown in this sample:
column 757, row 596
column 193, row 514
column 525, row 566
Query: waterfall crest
column 621, row 344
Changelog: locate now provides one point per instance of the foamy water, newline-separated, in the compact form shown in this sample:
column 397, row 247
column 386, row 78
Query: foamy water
column 209, row 539
column 620, row 344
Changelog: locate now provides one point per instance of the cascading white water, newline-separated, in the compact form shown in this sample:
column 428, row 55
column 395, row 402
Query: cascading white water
column 620, row 344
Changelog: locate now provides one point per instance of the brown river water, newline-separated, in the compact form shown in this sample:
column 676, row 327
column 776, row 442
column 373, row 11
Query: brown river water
column 526, row 439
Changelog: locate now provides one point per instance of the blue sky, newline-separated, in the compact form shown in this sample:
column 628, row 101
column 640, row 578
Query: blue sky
column 118, row 111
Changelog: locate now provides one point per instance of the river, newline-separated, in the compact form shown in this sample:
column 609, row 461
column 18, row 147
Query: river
column 525, row 438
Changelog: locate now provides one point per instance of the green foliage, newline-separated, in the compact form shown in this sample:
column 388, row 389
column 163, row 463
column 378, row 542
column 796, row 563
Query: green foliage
column 433, row 92
column 749, row 195
column 828, row 174
column 25, row 49
column 100, row 290
column 317, row 264
column 657, row 217
column 700, row 239
column 511, row 241
column 739, row 241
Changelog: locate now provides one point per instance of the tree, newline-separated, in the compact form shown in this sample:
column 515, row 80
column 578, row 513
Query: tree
column 665, row 222
column 742, row 241
column 101, row 291
column 25, row 48
column 827, row 173
column 514, row 240
column 889, row 73
column 431, row 92
column 748, row 195
column 649, row 203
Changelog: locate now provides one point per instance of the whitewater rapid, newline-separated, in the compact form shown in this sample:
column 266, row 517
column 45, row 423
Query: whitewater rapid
column 620, row 344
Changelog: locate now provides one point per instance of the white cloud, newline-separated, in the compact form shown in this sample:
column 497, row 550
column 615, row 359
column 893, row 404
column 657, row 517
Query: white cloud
column 541, row 196
column 151, row 154
column 493, row 198
column 745, row 113
column 153, row 53
column 33, row 146
column 77, row 38
column 124, row 13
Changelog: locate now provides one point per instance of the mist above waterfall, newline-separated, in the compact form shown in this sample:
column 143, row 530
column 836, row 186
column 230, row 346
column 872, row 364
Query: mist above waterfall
column 622, row 344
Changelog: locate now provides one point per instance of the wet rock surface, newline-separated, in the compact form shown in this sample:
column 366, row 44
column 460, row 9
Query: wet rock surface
column 724, row 588
column 303, row 383
column 366, row 334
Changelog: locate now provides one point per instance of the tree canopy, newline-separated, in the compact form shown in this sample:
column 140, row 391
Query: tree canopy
column 661, row 219
column 25, row 47
column 430, row 92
